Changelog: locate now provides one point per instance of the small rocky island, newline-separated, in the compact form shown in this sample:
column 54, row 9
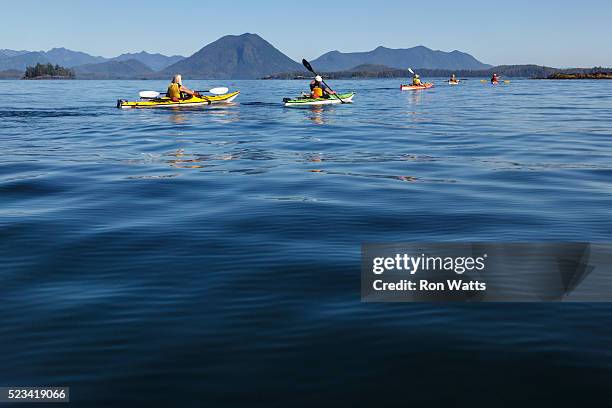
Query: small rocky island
column 48, row 71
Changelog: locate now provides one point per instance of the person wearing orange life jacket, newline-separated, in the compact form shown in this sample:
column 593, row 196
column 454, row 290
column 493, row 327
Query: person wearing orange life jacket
column 176, row 89
column 495, row 79
column 319, row 90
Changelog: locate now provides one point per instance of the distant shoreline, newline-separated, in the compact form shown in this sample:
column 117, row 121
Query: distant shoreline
column 596, row 75
column 46, row 77
column 507, row 71
column 559, row 77
column 367, row 71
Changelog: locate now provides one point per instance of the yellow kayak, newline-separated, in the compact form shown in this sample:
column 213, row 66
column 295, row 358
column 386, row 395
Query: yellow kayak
column 165, row 102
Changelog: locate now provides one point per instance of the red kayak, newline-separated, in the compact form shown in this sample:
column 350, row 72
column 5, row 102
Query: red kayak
column 415, row 88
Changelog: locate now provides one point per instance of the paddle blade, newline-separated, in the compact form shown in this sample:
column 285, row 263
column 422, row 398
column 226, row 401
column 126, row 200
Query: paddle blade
column 148, row 94
column 411, row 71
column 219, row 91
column 307, row 65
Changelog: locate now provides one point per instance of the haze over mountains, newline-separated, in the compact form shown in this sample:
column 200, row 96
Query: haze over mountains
column 156, row 62
column 12, row 59
column 246, row 56
column 128, row 69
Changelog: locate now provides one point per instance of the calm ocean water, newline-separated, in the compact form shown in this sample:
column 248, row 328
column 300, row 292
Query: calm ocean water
column 210, row 257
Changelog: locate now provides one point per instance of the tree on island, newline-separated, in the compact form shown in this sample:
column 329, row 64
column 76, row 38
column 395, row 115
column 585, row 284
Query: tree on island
column 48, row 70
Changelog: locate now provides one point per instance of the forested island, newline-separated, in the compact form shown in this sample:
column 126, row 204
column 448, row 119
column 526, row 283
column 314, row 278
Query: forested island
column 518, row 71
column 48, row 71
column 582, row 75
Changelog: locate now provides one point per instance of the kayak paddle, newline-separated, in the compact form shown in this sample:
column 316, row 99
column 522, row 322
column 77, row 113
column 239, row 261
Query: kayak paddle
column 411, row 71
column 153, row 94
column 309, row 67
column 505, row 81
column 217, row 91
column 148, row 94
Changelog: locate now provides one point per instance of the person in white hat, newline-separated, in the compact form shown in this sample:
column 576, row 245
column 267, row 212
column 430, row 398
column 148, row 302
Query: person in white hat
column 318, row 89
column 176, row 90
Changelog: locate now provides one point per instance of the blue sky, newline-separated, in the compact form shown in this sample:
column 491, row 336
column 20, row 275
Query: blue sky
column 555, row 33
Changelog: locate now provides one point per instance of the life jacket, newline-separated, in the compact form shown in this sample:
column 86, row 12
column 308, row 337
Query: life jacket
column 317, row 92
column 416, row 82
column 174, row 91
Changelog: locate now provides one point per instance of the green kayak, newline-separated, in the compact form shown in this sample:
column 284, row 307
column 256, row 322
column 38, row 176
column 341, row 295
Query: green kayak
column 308, row 101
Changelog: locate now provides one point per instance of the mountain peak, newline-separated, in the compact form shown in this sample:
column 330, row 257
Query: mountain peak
column 245, row 56
column 249, row 35
column 245, row 36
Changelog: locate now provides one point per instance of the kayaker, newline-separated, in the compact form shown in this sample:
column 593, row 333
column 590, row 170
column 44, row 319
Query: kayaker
column 453, row 79
column 176, row 89
column 318, row 89
column 416, row 80
column 495, row 79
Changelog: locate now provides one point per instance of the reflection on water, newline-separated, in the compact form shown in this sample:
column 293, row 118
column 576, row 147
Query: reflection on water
column 184, row 160
column 317, row 115
column 177, row 115
column 181, row 160
column 414, row 99
column 222, row 114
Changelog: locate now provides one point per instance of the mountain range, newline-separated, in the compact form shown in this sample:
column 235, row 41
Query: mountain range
column 12, row 59
column 417, row 57
column 246, row 56
column 11, row 53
